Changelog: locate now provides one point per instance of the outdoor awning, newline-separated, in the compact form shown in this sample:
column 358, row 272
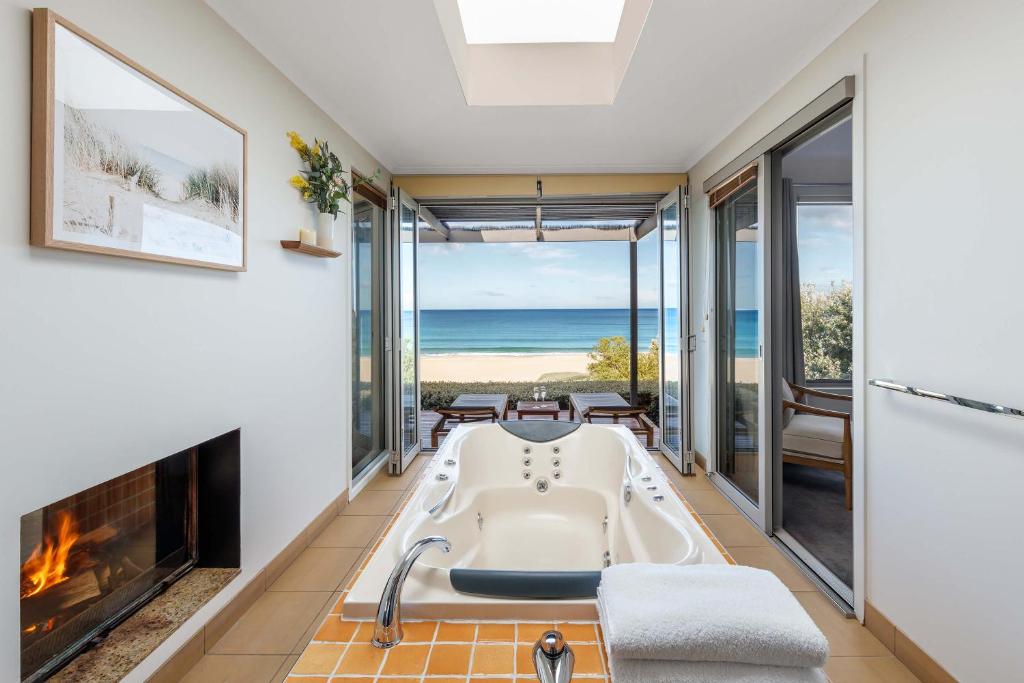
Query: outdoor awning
column 568, row 218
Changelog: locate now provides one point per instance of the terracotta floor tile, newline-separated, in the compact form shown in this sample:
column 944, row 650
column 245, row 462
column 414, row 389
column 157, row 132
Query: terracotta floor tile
column 588, row 659
column 373, row 503
column 524, row 658
column 361, row 658
column 364, row 632
column 319, row 658
column 868, row 670
column 449, row 660
column 735, row 531
column 406, row 660
column 419, row 631
column 846, row 637
column 456, row 632
column 474, row 679
column 316, row 679
column 577, row 633
column 350, row 532
column 336, row 629
column 234, row 669
column 527, row 632
column 273, row 625
column 493, row 659
column 500, row 633
column 317, row 569
column 774, row 561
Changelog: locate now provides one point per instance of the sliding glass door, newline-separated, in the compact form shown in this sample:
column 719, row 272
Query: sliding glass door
column 368, row 388
column 674, row 398
column 739, row 315
column 812, row 305
column 405, row 350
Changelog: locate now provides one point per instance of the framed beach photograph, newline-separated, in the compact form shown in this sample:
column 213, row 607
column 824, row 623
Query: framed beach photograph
column 124, row 163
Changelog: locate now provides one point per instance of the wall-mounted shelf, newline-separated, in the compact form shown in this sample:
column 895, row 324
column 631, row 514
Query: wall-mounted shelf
column 312, row 250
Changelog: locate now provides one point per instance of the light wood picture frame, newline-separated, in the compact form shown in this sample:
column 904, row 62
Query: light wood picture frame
column 124, row 163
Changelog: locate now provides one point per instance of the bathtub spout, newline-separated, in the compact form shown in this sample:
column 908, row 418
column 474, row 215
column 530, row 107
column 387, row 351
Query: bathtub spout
column 553, row 658
column 387, row 632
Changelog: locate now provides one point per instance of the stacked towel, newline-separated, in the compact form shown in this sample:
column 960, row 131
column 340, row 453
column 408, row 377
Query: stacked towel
column 706, row 623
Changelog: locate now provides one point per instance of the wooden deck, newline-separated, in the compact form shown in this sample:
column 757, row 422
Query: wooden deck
column 428, row 418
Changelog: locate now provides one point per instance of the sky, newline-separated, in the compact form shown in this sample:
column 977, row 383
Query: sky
column 596, row 274
column 527, row 275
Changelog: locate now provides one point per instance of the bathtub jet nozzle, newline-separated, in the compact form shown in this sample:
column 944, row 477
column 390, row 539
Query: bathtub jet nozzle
column 387, row 631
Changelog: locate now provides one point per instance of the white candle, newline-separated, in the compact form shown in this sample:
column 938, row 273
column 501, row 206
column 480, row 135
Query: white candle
column 307, row 236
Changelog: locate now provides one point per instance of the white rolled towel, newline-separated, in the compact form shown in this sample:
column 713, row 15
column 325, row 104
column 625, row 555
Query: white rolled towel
column 661, row 671
column 706, row 613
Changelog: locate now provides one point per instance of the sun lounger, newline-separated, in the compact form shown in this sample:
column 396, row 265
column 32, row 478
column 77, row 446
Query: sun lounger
column 469, row 408
column 614, row 407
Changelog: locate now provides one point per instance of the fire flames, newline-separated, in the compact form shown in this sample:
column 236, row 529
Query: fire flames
column 47, row 565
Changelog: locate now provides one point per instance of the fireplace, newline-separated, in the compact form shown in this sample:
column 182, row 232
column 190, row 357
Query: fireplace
column 91, row 559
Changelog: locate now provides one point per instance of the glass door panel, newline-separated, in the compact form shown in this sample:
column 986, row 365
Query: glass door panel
column 672, row 378
column 739, row 255
column 408, row 329
column 812, row 316
column 367, row 335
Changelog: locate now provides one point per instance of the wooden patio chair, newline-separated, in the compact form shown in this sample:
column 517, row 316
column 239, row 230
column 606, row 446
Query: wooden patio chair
column 817, row 437
column 611, row 406
column 469, row 408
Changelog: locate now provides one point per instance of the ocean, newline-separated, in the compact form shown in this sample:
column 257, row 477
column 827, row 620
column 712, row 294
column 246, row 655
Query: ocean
column 522, row 331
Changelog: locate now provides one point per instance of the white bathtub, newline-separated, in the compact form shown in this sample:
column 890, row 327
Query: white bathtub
column 498, row 520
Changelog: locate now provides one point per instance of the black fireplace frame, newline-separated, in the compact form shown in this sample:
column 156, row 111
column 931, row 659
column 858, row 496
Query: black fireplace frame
column 213, row 511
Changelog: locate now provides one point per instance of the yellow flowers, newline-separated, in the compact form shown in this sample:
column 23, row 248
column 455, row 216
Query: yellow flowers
column 299, row 183
column 298, row 144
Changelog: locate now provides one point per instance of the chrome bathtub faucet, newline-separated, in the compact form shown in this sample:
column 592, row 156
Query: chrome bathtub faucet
column 553, row 658
column 387, row 632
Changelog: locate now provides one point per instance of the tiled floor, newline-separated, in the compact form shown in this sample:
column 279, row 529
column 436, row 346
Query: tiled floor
column 265, row 644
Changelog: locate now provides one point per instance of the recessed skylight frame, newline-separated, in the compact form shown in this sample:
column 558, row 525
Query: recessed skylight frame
column 506, row 22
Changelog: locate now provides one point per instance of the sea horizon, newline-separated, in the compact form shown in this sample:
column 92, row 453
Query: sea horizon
column 545, row 331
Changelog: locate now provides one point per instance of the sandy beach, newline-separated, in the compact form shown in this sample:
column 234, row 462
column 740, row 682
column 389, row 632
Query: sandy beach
column 498, row 367
column 524, row 367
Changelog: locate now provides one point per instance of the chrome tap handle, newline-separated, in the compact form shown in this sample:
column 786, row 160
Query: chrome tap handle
column 553, row 658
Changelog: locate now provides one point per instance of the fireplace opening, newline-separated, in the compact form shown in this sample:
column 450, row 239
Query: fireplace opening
column 93, row 558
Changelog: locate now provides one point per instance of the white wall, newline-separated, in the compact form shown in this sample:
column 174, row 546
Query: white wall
column 109, row 363
column 942, row 146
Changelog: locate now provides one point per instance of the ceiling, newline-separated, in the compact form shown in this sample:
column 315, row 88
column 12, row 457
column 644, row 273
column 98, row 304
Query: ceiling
column 382, row 70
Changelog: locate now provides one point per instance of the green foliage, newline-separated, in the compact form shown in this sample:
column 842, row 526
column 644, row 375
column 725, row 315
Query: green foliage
column 323, row 182
column 442, row 394
column 827, row 321
column 217, row 186
column 610, row 360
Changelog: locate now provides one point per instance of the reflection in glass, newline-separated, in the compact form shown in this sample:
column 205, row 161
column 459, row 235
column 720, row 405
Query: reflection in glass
column 648, row 287
column 367, row 365
column 738, row 255
column 671, row 369
column 407, row 328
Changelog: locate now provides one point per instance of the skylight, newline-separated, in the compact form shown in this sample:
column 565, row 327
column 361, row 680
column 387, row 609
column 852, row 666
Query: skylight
column 488, row 22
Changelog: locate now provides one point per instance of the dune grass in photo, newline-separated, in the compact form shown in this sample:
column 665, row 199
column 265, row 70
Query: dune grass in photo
column 217, row 186
column 94, row 148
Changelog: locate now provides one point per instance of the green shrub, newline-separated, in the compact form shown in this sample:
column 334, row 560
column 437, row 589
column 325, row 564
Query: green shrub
column 610, row 360
column 827, row 321
column 442, row 394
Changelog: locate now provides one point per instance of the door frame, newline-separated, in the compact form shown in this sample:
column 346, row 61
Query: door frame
column 400, row 458
column 849, row 88
column 758, row 514
column 683, row 460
